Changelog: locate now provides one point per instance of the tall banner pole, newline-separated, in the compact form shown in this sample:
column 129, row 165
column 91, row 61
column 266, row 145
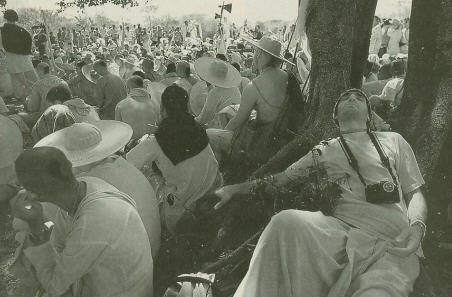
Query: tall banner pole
column 123, row 33
column 221, row 13
column 49, row 45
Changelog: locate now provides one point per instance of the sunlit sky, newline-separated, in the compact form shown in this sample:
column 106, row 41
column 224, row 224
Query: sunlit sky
column 252, row 10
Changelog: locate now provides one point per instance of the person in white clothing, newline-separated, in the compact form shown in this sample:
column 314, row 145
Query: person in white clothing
column 98, row 245
column 375, row 37
column 367, row 241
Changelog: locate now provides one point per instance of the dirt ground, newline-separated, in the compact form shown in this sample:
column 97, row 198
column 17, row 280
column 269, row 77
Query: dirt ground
column 7, row 246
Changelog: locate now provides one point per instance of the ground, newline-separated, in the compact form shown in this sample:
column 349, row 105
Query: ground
column 7, row 245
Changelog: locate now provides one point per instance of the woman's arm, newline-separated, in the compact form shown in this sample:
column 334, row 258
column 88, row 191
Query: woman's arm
column 246, row 107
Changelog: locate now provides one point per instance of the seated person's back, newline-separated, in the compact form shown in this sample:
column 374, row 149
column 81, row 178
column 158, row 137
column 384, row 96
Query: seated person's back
column 138, row 110
column 187, row 164
column 223, row 81
column 269, row 89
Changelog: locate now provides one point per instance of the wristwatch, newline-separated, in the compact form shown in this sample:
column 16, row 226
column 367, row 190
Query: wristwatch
column 423, row 226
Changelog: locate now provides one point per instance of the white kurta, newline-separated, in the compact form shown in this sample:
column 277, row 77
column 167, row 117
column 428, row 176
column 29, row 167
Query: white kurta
column 306, row 254
column 101, row 251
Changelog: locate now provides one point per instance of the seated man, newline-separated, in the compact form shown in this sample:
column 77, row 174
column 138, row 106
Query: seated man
column 110, row 89
column 148, row 68
column 132, row 64
column 223, row 80
column 186, row 79
column 366, row 244
column 138, row 110
column 98, row 246
column 170, row 76
column 111, row 168
column 62, row 113
column 82, row 87
column 392, row 92
column 36, row 104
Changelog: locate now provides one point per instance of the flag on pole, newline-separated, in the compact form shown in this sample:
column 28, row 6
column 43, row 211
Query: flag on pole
column 227, row 7
column 217, row 16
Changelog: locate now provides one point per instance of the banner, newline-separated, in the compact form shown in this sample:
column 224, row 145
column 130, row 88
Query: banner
column 227, row 7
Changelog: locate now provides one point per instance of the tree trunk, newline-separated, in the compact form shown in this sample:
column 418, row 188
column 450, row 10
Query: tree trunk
column 339, row 33
column 424, row 116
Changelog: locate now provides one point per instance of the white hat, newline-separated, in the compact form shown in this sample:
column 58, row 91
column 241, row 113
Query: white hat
column 270, row 46
column 235, row 58
column 84, row 143
column 217, row 72
column 11, row 142
column 86, row 71
column 132, row 60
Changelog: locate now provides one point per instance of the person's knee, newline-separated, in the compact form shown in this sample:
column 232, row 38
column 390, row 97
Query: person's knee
column 289, row 219
column 374, row 292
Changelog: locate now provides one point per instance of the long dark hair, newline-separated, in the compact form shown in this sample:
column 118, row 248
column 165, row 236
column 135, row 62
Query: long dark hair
column 175, row 101
column 179, row 135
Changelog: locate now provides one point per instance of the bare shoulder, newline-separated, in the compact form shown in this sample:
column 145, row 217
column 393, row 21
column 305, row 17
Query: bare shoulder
column 250, row 92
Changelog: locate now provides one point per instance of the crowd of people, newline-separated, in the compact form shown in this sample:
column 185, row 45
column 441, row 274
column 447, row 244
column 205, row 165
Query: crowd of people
column 124, row 131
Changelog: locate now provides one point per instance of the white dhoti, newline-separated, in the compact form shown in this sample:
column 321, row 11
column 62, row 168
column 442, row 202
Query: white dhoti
column 308, row 254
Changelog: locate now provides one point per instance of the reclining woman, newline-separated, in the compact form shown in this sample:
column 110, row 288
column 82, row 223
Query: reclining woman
column 180, row 162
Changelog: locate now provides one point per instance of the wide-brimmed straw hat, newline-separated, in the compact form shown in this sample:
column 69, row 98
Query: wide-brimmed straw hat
column 84, row 143
column 132, row 60
column 270, row 46
column 11, row 142
column 86, row 71
column 217, row 72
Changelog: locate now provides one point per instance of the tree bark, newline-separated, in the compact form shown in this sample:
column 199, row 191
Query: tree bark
column 339, row 33
column 424, row 117
column 362, row 32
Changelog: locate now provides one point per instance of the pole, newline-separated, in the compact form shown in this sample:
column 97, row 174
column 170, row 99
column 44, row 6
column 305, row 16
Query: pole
column 123, row 33
column 49, row 45
column 294, row 59
column 221, row 13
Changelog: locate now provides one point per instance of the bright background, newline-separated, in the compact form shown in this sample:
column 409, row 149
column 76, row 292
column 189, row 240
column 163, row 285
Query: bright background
column 252, row 10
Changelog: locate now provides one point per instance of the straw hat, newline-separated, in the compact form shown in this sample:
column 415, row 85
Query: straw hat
column 132, row 60
column 235, row 58
column 86, row 71
column 217, row 72
column 85, row 143
column 270, row 46
column 11, row 142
